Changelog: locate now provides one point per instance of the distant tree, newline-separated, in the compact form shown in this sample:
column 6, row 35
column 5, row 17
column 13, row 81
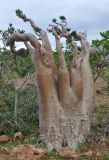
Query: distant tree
column 66, row 96
column 13, row 66
column 100, row 56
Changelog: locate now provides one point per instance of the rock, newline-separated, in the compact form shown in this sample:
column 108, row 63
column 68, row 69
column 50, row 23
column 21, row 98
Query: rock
column 18, row 137
column 4, row 151
column 4, row 138
column 4, row 157
column 28, row 152
column 68, row 154
column 87, row 154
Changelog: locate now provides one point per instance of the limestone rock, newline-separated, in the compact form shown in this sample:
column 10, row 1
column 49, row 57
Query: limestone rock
column 3, row 157
column 28, row 152
column 4, row 138
column 4, row 151
column 18, row 137
column 87, row 154
column 68, row 154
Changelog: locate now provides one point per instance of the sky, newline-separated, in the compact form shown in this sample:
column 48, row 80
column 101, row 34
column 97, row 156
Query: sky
column 82, row 15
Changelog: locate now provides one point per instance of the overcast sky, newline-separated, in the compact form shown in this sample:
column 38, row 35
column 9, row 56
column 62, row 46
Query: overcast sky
column 82, row 15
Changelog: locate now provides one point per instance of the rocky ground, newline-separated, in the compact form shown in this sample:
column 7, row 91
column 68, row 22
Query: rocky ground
column 96, row 146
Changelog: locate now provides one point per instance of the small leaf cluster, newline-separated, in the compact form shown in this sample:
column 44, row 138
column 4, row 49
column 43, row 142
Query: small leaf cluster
column 20, row 14
column 12, row 30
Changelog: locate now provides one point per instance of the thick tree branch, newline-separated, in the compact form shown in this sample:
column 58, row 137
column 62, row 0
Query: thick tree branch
column 18, row 37
column 62, row 62
column 45, row 41
column 63, row 74
column 84, row 43
column 21, row 15
column 42, row 34
column 29, row 47
column 61, row 29
column 46, row 49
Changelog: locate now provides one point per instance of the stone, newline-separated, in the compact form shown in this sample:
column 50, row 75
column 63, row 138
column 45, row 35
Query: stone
column 87, row 154
column 4, row 138
column 18, row 137
column 68, row 154
column 4, row 151
column 28, row 152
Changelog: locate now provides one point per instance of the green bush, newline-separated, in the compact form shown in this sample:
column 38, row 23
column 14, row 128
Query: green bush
column 27, row 110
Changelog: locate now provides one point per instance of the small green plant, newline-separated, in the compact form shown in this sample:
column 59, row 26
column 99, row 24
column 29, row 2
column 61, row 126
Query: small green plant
column 53, row 156
column 106, row 154
column 82, row 147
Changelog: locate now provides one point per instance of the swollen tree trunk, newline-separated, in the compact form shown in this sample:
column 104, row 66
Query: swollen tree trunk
column 66, row 97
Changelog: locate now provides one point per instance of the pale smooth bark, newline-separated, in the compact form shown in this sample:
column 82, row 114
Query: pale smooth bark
column 66, row 98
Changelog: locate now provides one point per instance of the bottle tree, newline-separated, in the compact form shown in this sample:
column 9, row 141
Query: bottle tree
column 66, row 96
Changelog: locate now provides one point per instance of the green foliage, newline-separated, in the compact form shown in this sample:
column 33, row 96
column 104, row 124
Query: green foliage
column 16, row 66
column 54, row 20
column 81, row 147
column 3, row 105
column 105, row 34
column 53, row 156
column 27, row 112
column 23, row 66
column 8, row 95
column 99, row 56
column 106, row 154
column 20, row 14
column 63, row 19
column 100, row 127
column 12, row 30
column 74, row 34
column 28, row 104
column 102, row 113
column 37, row 29
column 62, row 26
column 7, row 125
column 20, row 64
